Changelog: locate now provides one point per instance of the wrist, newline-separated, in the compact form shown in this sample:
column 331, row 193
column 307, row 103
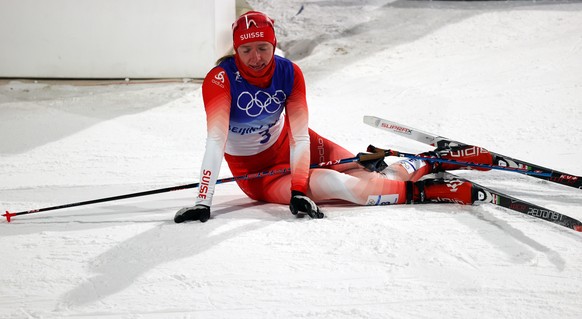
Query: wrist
column 296, row 193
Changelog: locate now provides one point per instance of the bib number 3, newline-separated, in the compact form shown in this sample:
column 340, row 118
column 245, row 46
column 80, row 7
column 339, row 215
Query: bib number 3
column 266, row 136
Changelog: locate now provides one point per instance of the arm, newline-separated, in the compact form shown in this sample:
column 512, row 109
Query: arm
column 216, row 96
column 298, row 116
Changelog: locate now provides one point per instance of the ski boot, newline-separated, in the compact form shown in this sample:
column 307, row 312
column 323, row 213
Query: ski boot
column 465, row 153
column 443, row 190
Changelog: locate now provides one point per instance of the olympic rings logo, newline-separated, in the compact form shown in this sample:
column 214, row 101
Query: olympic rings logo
column 261, row 101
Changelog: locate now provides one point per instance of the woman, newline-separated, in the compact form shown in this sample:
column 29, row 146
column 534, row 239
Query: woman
column 257, row 119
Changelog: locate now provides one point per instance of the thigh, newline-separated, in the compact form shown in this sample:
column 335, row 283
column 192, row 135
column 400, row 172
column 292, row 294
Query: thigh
column 324, row 150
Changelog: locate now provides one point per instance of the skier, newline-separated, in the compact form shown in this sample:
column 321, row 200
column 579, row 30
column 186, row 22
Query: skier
column 257, row 119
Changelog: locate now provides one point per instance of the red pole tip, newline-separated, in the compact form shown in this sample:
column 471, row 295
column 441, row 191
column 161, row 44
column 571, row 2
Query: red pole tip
column 8, row 215
column 578, row 228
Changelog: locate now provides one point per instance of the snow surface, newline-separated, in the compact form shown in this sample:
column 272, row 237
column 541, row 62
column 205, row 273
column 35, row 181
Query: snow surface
column 503, row 75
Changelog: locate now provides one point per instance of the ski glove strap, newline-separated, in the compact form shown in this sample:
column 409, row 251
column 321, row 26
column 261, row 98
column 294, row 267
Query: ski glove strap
column 301, row 203
column 198, row 212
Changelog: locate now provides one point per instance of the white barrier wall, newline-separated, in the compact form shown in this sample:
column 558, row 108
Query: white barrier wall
column 113, row 38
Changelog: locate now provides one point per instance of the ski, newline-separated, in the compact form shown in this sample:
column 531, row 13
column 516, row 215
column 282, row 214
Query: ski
column 498, row 159
column 488, row 195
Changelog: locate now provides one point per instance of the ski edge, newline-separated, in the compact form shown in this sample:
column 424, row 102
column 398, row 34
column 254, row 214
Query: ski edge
column 504, row 200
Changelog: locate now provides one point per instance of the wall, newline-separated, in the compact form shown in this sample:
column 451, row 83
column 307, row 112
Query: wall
column 113, row 38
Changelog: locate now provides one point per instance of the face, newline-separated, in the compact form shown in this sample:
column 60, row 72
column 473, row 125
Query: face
column 256, row 55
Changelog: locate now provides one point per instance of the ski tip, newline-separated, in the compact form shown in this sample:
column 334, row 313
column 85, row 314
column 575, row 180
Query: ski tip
column 371, row 120
column 8, row 215
column 578, row 228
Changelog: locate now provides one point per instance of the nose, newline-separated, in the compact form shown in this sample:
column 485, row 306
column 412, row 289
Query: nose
column 256, row 55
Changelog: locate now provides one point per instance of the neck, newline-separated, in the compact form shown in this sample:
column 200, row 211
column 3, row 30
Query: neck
column 260, row 78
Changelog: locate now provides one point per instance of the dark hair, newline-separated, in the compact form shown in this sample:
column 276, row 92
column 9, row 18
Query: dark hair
column 222, row 59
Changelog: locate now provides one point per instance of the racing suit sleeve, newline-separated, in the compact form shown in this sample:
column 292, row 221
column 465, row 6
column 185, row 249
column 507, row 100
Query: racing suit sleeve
column 216, row 96
column 298, row 119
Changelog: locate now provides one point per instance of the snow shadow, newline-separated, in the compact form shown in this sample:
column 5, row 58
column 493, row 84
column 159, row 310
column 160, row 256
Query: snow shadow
column 119, row 267
column 509, row 239
column 35, row 114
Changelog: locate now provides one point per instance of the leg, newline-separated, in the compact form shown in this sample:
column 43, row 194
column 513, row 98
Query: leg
column 414, row 169
column 407, row 170
column 324, row 150
column 326, row 184
column 372, row 189
column 349, row 182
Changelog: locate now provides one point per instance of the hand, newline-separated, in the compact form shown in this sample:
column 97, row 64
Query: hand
column 374, row 165
column 301, row 203
column 198, row 212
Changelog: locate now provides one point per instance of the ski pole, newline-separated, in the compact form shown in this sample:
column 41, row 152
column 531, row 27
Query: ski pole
column 357, row 158
column 374, row 149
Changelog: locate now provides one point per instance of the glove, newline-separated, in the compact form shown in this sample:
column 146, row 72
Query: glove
column 301, row 203
column 198, row 212
column 374, row 165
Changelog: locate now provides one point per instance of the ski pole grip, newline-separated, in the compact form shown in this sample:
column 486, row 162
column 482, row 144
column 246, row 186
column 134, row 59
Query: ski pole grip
column 385, row 153
column 375, row 153
column 362, row 157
